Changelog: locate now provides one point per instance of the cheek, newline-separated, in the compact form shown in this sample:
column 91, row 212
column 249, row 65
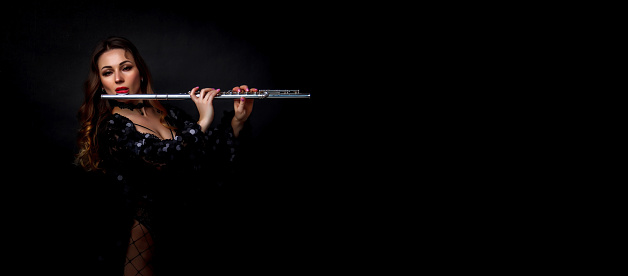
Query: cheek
column 134, row 77
column 110, row 86
column 132, row 74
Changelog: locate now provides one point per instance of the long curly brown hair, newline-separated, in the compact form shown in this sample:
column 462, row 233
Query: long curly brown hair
column 93, row 111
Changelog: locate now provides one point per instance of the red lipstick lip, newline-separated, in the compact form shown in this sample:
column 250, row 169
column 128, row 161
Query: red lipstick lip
column 122, row 90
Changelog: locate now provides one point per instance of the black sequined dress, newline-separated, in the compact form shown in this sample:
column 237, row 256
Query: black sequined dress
column 163, row 184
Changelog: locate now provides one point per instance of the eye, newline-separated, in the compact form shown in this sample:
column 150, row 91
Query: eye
column 127, row 68
column 106, row 73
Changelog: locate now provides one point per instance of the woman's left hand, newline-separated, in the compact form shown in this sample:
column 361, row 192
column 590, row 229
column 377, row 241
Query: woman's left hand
column 243, row 108
column 204, row 104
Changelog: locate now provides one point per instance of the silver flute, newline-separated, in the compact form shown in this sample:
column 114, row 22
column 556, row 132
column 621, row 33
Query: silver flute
column 260, row 94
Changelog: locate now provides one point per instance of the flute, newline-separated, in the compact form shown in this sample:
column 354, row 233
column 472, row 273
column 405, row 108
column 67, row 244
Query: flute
column 260, row 94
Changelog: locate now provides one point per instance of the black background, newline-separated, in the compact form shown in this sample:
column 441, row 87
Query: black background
column 46, row 48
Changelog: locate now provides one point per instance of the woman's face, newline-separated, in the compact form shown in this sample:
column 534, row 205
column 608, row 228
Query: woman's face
column 118, row 72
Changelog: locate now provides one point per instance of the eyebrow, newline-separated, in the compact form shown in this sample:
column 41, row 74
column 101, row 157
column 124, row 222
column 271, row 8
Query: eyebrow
column 108, row 66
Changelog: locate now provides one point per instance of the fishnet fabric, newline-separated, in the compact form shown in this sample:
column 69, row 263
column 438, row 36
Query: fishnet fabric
column 140, row 252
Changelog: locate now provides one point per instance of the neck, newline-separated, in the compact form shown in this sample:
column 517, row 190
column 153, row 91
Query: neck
column 133, row 106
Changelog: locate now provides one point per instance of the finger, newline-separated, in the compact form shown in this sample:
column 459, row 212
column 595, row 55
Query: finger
column 254, row 90
column 213, row 94
column 205, row 93
column 244, row 87
column 208, row 92
column 235, row 89
column 241, row 104
column 193, row 94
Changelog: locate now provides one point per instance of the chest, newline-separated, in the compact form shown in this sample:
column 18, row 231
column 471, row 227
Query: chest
column 153, row 126
column 150, row 124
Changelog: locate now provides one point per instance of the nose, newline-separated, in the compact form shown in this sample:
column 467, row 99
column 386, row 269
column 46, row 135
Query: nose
column 119, row 78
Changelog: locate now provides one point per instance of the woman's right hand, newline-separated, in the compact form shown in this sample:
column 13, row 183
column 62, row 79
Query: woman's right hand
column 205, row 106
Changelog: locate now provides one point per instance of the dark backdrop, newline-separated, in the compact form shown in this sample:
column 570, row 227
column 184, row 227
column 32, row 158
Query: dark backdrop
column 45, row 54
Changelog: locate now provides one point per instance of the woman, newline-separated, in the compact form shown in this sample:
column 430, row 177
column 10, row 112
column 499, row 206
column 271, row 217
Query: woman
column 149, row 152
